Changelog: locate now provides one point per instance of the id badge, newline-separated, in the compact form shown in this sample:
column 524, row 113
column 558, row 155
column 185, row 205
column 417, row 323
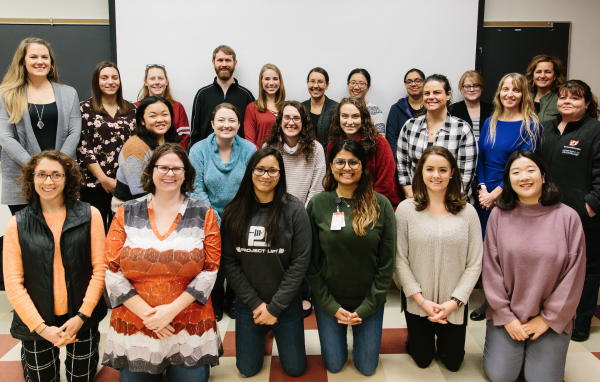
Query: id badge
column 337, row 221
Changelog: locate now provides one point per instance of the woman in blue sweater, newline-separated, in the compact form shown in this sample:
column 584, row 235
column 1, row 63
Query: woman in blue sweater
column 220, row 161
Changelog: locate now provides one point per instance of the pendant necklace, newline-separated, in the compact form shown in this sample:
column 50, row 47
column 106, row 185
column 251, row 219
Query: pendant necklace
column 40, row 124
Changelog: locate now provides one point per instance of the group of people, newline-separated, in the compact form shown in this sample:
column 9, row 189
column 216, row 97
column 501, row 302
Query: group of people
column 296, row 205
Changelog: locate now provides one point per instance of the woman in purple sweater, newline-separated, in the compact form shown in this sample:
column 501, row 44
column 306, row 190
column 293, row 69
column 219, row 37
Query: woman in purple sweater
column 533, row 273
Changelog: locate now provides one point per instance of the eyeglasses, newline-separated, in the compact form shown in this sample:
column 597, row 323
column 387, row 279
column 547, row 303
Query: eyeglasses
column 361, row 85
column 287, row 118
column 155, row 65
column 472, row 87
column 166, row 169
column 42, row 176
column 354, row 164
column 272, row 172
column 320, row 82
column 416, row 82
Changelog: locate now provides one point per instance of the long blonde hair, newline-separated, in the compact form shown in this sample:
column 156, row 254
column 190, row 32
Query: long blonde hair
column 15, row 79
column 526, row 108
column 261, row 101
column 145, row 93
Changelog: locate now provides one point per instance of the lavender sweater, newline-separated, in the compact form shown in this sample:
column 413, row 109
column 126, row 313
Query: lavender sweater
column 534, row 264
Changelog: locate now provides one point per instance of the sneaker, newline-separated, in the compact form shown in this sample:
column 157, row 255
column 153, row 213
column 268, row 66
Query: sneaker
column 580, row 333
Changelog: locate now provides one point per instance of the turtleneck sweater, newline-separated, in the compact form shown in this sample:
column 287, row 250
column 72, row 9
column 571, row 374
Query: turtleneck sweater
column 534, row 264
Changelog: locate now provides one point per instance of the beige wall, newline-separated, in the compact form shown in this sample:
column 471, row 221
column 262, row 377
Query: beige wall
column 585, row 30
column 58, row 9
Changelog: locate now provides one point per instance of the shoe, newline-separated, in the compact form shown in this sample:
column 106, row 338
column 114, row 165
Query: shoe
column 231, row 310
column 477, row 316
column 307, row 312
column 580, row 333
column 218, row 312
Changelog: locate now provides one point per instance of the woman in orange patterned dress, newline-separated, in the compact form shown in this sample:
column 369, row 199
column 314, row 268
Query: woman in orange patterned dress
column 163, row 252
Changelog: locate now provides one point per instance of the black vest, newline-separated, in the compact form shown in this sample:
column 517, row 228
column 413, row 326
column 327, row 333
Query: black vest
column 37, row 250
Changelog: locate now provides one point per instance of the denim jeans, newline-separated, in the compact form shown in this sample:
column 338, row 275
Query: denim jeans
column 589, row 295
column 334, row 342
column 175, row 373
column 250, row 340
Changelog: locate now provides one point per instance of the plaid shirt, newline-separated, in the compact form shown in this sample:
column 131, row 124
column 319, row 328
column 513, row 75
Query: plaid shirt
column 455, row 135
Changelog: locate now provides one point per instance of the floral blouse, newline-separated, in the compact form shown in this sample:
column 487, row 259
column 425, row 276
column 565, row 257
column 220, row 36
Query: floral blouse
column 102, row 138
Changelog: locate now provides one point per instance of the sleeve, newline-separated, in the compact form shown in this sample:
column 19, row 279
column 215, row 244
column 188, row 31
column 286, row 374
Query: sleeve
column 480, row 173
column 85, row 151
column 250, row 124
column 8, row 141
column 376, row 296
column 467, row 158
column 593, row 197
column 393, row 130
column 385, row 183
column 96, row 286
column 316, row 184
column 14, row 278
column 183, row 128
column 316, row 272
column 201, row 285
column 195, row 128
column 408, row 282
column 118, row 287
column 470, row 275
column 71, row 143
column 132, row 169
column 403, row 160
column 300, row 258
column 559, row 308
column 493, row 276
column 200, row 193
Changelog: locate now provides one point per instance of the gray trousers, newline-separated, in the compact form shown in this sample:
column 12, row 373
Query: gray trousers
column 542, row 359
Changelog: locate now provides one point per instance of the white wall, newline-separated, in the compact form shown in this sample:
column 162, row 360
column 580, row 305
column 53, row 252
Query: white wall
column 58, row 9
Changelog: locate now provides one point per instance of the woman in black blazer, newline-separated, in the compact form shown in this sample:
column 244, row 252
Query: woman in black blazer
column 472, row 110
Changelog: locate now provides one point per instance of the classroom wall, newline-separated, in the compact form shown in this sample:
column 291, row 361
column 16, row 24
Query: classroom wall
column 58, row 9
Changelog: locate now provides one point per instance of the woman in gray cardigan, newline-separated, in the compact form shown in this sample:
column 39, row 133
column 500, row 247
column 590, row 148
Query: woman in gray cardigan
column 320, row 107
column 36, row 113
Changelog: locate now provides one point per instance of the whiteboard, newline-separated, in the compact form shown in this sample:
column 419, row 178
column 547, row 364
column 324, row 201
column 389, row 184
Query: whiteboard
column 386, row 37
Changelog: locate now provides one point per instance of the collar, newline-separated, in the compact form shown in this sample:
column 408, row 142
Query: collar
column 574, row 125
column 235, row 83
column 445, row 126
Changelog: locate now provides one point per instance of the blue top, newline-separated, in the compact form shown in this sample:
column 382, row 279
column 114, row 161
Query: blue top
column 492, row 160
column 217, row 182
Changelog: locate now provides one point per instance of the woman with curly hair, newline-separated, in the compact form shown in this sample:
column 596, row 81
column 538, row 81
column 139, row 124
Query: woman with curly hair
column 352, row 120
column 293, row 136
column 545, row 76
column 54, row 271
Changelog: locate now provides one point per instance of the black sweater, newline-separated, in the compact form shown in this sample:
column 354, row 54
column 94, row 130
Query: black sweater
column 459, row 110
column 573, row 160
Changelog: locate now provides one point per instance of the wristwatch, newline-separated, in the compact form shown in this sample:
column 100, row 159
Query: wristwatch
column 82, row 316
column 480, row 187
column 457, row 301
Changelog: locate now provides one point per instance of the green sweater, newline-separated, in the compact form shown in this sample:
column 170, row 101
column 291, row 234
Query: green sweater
column 347, row 270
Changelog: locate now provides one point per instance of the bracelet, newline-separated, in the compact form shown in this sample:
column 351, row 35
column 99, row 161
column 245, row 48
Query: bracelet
column 45, row 326
column 422, row 303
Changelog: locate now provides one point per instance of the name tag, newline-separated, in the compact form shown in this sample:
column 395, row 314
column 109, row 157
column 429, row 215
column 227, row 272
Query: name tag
column 337, row 221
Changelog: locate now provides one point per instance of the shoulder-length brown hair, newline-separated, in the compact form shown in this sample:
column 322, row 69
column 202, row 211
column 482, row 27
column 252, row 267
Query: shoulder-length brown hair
column 261, row 101
column 558, row 71
column 124, row 106
column 169, row 148
column 455, row 201
column 583, row 90
column 73, row 177
column 145, row 93
column 307, row 134
column 368, row 131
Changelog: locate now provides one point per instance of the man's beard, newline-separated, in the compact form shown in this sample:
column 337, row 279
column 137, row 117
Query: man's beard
column 224, row 75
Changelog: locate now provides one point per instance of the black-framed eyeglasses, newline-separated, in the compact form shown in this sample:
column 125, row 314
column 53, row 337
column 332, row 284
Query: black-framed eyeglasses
column 272, row 172
column 471, row 87
column 354, row 164
column 287, row 118
column 166, row 169
column 42, row 176
column 155, row 66
column 418, row 81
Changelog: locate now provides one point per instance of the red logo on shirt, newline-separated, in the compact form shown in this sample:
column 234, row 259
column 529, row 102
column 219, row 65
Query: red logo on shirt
column 573, row 143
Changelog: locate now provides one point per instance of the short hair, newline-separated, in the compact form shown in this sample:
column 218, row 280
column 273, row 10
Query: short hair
column 445, row 82
column 73, row 177
column 225, row 49
column 420, row 72
column 169, row 148
column 142, row 132
column 508, row 198
column 557, row 66
column 225, row 105
column 454, row 200
column 318, row 70
column 363, row 72
column 124, row 106
column 475, row 76
column 583, row 90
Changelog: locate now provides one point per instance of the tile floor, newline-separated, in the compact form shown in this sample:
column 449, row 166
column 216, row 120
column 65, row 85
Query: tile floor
column 583, row 361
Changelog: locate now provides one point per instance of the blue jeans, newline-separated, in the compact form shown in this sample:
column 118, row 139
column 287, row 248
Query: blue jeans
column 250, row 340
column 334, row 343
column 589, row 295
column 175, row 373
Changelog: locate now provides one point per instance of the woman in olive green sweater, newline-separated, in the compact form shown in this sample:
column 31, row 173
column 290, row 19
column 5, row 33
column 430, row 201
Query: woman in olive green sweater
column 352, row 262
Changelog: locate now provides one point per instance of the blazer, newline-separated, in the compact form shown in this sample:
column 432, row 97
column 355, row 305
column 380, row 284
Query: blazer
column 19, row 143
column 459, row 110
column 322, row 128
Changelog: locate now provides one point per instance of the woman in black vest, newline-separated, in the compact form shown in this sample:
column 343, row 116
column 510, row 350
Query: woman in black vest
column 54, row 271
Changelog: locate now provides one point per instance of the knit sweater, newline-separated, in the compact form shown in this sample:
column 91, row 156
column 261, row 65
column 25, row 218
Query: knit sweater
column 262, row 270
column 257, row 125
column 132, row 161
column 347, row 270
column 304, row 179
column 439, row 257
column 216, row 182
column 377, row 117
column 534, row 264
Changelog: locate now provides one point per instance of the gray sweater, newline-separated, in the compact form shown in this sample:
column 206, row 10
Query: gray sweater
column 19, row 143
column 260, row 272
column 439, row 257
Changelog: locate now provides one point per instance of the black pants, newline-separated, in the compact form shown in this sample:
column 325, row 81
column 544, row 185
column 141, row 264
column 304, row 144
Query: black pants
column 100, row 199
column 41, row 364
column 218, row 294
column 450, row 341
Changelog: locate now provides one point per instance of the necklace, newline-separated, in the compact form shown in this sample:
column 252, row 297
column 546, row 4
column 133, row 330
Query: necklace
column 40, row 124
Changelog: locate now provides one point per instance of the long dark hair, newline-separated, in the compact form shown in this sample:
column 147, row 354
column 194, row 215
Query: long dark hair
column 238, row 213
column 307, row 135
column 148, row 137
column 365, row 209
column 508, row 198
column 583, row 90
column 124, row 106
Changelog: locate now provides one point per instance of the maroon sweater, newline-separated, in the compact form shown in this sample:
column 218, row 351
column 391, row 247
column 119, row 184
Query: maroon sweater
column 382, row 169
column 534, row 264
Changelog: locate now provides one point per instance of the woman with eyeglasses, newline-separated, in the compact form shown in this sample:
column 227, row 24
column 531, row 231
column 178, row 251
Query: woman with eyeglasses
column 406, row 108
column 354, row 241
column 544, row 77
column 156, row 83
column 359, row 83
column 319, row 105
column 108, row 121
column 54, row 271
column 162, row 256
column 472, row 109
column 266, row 252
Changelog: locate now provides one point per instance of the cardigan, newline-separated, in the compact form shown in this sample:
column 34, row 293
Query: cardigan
column 179, row 122
column 459, row 110
column 548, row 106
column 257, row 125
column 438, row 256
column 19, row 143
column 534, row 265
column 132, row 161
column 325, row 119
